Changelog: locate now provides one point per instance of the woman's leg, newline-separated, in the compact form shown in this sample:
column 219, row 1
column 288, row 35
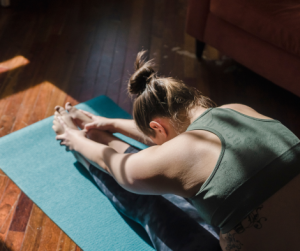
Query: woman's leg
column 169, row 226
column 74, row 119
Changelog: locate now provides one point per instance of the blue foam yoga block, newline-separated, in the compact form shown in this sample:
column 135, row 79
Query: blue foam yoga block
column 44, row 171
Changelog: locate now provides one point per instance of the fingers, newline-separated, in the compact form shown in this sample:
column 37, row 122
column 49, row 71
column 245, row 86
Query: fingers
column 60, row 137
column 90, row 126
column 90, row 115
column 62, row 140
column 55, row 122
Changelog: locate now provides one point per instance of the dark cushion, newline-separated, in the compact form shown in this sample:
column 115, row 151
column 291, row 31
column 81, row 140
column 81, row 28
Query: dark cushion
column 274, row 21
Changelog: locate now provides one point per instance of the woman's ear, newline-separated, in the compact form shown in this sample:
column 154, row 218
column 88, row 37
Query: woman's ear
column 158, row 128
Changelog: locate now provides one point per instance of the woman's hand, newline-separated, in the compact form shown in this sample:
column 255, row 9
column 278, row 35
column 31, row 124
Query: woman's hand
column 71, row 137
column 100, row 123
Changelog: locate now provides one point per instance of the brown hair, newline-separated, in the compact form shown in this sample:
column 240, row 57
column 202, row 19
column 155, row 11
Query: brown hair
column 161, row 97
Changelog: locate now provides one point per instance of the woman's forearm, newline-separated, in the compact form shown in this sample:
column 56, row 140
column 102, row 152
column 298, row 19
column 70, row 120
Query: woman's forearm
column 93, row 151
column 129, row 128
column 104, row 157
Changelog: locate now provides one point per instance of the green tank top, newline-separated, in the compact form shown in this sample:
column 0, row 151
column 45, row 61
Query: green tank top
column 258, row 157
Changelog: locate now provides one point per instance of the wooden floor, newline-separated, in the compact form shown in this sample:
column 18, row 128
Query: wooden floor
column 62, row 50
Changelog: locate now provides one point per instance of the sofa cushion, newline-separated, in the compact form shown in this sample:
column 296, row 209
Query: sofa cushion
column 274, row 21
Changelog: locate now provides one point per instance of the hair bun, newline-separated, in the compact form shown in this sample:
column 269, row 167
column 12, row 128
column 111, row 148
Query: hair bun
column 144, row 71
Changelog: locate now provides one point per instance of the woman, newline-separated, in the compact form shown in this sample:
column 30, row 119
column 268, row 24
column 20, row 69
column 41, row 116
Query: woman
column 239, row 168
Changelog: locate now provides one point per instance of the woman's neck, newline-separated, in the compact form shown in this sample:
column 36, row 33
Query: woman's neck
column 193, row 114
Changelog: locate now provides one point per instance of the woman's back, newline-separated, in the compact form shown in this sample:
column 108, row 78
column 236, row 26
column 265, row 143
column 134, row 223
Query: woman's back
column 233, row 191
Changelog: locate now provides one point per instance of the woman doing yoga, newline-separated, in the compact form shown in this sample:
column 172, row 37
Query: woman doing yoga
column 239, row 168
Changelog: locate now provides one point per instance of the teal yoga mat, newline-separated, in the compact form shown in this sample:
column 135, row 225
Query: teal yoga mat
column 50, row 176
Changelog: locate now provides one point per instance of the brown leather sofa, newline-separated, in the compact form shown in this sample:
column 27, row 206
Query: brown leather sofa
column 263, row 35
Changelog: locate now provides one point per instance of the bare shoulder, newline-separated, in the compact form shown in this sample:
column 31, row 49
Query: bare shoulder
column 247, row 110
column 165, row 167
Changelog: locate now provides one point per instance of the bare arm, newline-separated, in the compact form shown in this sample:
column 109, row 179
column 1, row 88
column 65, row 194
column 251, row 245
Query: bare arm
column 151, row 171
column 155, row 170
column 124, row 126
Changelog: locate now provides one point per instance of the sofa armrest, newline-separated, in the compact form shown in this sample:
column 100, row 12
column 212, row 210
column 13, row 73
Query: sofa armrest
column 196, row 18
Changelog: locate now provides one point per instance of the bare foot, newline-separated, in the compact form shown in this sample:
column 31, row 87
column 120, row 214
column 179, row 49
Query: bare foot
column 59, row 129
column 79, row 118
column 57, row 126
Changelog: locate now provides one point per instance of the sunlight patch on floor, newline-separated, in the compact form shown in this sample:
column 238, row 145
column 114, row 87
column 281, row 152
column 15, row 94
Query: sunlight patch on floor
column 13, row 63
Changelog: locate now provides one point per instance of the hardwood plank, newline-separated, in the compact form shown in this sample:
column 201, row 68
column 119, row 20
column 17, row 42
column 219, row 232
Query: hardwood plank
column 41, row 104
column 158, row 22
column 10, row 112
column 100, row 31
column 4, row 180
column 76, row 81
column 13, row 86
column 5, row 229
column 57, row 95
column 59, row 74
column 35, row 76
column 7, row 208
column 5, row 18
column 65, row 243
column 178, row 40
column 69, row 47
column 169, row 41
column 3, row 105
column 131, row 51
column 49, row 235
column 45, row 97
column 114, row 82
column 13, row 32
column 33, row 230
column 26, row 108
column 14, row 240
column 18, row 41
column 104, row 70
column 97, row 80
column 78, row 74
column 146, row 26
column 22, row 214
column 78, row 248
column 7, row 91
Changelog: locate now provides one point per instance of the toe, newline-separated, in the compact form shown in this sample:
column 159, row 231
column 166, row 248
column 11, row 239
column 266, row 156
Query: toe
column 70, row 108
column 60, row 110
